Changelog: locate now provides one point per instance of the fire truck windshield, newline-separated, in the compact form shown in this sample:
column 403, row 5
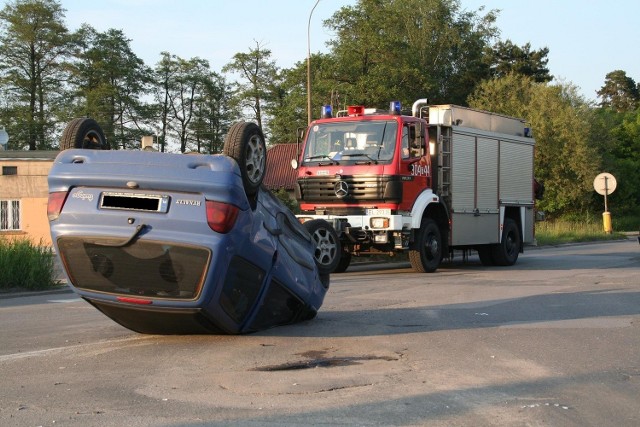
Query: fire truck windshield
column 351, row 142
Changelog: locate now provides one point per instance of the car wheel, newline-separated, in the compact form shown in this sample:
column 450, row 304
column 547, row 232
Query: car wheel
column 327, row 251
column 83, row 133
column 245, row 143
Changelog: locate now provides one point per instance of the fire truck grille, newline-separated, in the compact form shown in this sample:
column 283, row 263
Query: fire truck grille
column 350, row 189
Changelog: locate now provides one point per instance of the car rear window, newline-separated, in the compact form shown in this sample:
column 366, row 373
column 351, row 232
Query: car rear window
column 143, row 268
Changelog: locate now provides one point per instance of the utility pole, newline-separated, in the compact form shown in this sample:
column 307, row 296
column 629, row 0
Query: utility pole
column 309, row 64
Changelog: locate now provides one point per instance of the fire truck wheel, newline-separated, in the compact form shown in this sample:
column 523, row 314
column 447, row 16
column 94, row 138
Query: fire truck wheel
column 328, row 250
column 425, row 253
column 345, row 261
column 506, row 252
column 245, row 143
column 83, row 133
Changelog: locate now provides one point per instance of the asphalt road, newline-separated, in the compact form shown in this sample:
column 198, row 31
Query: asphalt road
column 553, row 341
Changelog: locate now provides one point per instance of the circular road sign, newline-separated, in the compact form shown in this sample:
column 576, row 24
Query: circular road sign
column 605, row 183
column 4, row 137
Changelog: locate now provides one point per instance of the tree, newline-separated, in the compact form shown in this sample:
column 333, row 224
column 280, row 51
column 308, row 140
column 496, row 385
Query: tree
column 619, row 92
column 213, row 114
column 566, row 158
column 187, row 86
column 617, row 136
column 288, row 106
column 163, row 76
column 505, row 57
column 259, row 72
column 192, row 104
column 182, row 87
column 626, row 161
column 34, row 44
column 405, row 49
column 110, row 80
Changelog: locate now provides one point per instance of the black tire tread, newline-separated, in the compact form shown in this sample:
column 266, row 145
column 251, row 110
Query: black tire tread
column 234, row 146
column 343, row 264
column 75, row 131
column 498, row 252
column 316, row 224
column 415, row 252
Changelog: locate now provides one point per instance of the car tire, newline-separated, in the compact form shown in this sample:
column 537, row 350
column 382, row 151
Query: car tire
column 327, row 245
column 246, row 145
column 83, row 133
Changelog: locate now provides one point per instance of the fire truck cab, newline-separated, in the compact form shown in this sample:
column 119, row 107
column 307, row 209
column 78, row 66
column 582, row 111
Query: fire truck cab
column 443, row 178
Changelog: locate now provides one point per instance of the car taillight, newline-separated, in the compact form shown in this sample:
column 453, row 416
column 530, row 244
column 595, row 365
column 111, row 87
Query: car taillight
column 135, row 300
column 221, row 216
column 55, row 204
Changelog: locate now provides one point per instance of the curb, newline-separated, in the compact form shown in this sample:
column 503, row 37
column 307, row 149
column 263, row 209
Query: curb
column 66, row 289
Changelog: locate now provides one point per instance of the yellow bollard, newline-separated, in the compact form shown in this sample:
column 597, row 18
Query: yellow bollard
column 606, row 220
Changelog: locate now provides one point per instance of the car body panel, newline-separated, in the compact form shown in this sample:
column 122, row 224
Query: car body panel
column 134, row 242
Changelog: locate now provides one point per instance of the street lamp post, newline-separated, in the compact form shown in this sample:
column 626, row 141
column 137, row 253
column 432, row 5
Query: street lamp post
column 309, row 64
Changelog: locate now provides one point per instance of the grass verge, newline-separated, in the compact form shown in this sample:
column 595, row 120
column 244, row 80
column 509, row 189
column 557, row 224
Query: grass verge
column 559, row 231
column 26, row 266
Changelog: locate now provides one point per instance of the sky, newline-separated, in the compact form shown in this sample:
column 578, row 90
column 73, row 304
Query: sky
column 586, row 38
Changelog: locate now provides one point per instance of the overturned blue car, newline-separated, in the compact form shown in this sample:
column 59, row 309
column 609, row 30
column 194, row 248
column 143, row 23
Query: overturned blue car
column 184, row 244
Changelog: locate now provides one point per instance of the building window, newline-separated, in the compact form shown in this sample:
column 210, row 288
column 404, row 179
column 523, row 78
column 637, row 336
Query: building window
column 9, row 215
column 9, row 170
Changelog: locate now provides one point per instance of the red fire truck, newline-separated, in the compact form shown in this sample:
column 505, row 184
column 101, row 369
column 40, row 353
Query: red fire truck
column 444, row 178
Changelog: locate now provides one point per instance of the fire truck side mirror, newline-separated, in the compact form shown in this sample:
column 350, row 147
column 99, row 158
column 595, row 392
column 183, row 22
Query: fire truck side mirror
column 299, row 138
column 300, row 134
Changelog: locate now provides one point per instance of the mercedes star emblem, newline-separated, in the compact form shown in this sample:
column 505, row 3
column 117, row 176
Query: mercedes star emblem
column 341, row 189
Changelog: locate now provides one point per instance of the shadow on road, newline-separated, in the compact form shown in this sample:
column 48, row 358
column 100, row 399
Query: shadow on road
column 485, row 314
column 528, row 399
column 545, row 260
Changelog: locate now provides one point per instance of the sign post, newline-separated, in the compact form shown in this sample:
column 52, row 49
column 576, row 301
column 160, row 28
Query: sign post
column 605, row 184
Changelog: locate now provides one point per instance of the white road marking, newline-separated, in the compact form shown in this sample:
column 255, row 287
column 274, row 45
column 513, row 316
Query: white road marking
column 64, row 301
column 47, row 351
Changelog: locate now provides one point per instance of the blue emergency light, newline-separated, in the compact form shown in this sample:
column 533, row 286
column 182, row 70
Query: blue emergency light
column 395, row 107
column 327, row 112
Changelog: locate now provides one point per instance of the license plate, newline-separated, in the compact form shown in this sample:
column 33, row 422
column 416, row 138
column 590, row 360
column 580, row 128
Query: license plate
column 378, row 212
column 134, row 202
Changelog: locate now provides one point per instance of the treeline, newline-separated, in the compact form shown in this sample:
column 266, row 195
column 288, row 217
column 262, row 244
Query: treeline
column 382, row 50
